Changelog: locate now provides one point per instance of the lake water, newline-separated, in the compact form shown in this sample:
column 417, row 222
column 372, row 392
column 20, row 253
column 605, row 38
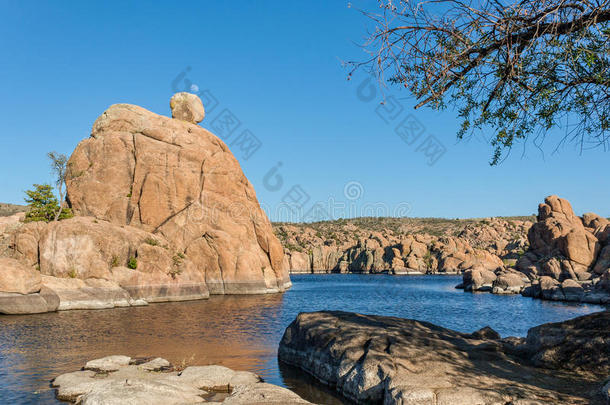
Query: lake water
column 243, row 332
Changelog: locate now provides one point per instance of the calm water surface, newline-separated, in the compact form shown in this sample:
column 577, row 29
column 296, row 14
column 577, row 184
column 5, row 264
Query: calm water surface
column 243, row 332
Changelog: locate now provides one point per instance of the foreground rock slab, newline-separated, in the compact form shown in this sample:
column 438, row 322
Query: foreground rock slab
column 376, row 359
column 122, row 380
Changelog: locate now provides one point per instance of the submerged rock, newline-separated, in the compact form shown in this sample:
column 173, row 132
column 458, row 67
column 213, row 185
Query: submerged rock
column 122, row 380
column 377, row 359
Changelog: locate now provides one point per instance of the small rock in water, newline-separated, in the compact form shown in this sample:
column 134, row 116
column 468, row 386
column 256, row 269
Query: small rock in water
column 486, row 333
column 106, row 364
column 155, row 365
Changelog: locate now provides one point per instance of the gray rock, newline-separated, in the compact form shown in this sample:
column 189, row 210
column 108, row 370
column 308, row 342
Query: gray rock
column 71, row 386
column 16, row 304
column 113, row 380
column 109, row 363
column 139, row 391
column 581, row 343
column 486, row 333
column 390, row 360
column 605, row 391
column 155, row 364
column 217, row 378
column 572, row 290
column 263, row 393
column 508, row 283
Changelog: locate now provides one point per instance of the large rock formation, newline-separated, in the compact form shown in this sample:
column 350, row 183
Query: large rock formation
column 163, row 212
column 568, row 258
column 402, row 245
column 376, row 359
column 122, row 380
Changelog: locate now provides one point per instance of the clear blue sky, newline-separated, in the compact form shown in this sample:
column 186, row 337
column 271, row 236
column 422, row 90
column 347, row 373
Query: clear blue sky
column 276, row 66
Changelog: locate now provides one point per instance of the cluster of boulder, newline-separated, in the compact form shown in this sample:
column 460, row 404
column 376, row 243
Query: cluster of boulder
column 163, row 212
column 559, row 257
column 568, row 259
column 378, row 359
column 485, row 244
column 123, row 380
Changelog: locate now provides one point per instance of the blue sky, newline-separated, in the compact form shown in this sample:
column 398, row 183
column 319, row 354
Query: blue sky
column 276, row 66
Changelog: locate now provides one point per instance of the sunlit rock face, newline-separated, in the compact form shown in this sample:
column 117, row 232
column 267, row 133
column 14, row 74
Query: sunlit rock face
column 176, row 180
column 163, row 211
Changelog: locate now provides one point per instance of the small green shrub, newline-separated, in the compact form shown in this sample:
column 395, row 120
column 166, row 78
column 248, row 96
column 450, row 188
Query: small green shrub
column 428, row 260
column 115, row 261
column 151, row 241
column 177, row 268
column 177, row 259
column 72, row 273
column 132, row 263
column 43, row 205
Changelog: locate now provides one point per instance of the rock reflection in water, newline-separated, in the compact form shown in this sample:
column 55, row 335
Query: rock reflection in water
column 243, row 332
column 235, row 331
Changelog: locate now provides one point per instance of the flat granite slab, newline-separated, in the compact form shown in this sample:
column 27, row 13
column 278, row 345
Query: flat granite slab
column 122, row 380
column 377, row 359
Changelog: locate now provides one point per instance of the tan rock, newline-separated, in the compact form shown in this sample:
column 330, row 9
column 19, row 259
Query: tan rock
column 117, row 380
column 603, row 261
column 209, row 211
column 16, row 277
column 35, row 303
column 478, row 279
column 75, row 293
column 187, row 107
column 300, row 261
column 508, row 283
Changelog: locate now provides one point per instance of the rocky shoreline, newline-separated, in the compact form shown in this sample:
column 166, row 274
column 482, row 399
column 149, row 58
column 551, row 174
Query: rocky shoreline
column 376, row 359
column 122, row 380
column 560, row 256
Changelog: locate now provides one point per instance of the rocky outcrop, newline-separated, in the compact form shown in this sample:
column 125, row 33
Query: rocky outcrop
column 163, row 213
column 402, row 246
column 567, row 259
column 122, row 380
column 18, row 278
column 580, row 344
column 376, row 359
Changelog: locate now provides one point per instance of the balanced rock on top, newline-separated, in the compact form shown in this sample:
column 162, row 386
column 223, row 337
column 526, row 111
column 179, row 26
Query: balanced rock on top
column 187, row 107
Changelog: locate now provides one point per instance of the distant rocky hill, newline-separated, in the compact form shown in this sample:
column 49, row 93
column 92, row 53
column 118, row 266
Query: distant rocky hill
column 6, row 210
column 403, row 245
column 555, row 255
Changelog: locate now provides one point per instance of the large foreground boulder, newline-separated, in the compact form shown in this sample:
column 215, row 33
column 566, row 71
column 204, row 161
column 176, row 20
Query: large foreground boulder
column 376, row 359
column 581, row 344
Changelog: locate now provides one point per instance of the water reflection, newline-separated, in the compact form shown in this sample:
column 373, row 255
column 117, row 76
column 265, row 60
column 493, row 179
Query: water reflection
column 243, row 332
